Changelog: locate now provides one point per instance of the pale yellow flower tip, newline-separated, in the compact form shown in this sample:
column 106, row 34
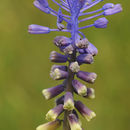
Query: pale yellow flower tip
column 50, row 125
column 46, row 94
column 91, row 116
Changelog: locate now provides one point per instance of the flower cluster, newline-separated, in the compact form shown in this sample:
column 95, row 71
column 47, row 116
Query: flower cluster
column 77, row 50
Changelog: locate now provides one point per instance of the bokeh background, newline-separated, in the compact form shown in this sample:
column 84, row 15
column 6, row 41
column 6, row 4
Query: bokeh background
column 25, row 67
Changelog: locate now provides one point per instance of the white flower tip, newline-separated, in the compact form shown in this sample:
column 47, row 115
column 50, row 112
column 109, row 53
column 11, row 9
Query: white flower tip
column 74, row 67
column 55, row 74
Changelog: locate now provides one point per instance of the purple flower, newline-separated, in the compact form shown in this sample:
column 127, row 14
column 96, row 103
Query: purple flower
column 108, row 6
column 101, row 23
column 116, row 9
column 58, row 74
column 85, row 58
column 89, row 77
column 52, row 92
column 84, row 111
column 68, row 101
column 91, row 49
column 57, row 57
column 54, row 113
column 61, row 67
column 79, row 88
column 74, row 123
column 42, row 5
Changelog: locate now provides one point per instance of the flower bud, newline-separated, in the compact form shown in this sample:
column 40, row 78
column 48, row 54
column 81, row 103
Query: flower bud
column 91, row 49
column 79, row 88
column 37, row 29
column 60, row 100
column 43, row 2
column 87, row 76
column 58, row 74
column 54, row 113
column 73, row 122
column 74, row 67
column 84, row 111
column 61, row 67
column 57, row 57
column 116, row 9
column 83, row 43
column 42, row 5
column 81, row 51
column 101, row 23
column 50, row 125
column 62, row 41
column 68, row 101
column 60, row 26
column 108, row 6
column 85, row 58
column 68, row 49
column 90, row 93
column 53, row 92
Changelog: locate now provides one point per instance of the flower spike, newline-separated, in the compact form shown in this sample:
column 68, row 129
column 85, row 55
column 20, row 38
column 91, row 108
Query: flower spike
column 77, row 51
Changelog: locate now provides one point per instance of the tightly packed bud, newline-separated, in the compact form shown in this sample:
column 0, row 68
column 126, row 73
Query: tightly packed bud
column 116, row 9
column 61, row 67
column 58, row 74
column 87, row 76
column 85, row 58
column 37, row 29
column 91, row 49
column 60, row 100
column 108, row 6
column 73, row 122
column 74, row 67
column 54, row 113
column 83, row 43
column 62, row 41
column 101, row 23
column 42, row 5
column 84, row 111
column 90, row 93
column 68, row 101
column 50, row 125
column 57, row 57
column 60, row 26
column 68, row 49
column 53, row 92
column 79, row 88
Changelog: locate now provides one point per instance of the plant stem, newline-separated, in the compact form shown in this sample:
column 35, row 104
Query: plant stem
column 69, row 88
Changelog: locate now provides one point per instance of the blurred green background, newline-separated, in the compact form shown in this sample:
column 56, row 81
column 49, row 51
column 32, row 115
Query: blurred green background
column 25, row 67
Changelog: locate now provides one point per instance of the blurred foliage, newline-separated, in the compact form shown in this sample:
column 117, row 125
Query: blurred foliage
column 25, row 66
